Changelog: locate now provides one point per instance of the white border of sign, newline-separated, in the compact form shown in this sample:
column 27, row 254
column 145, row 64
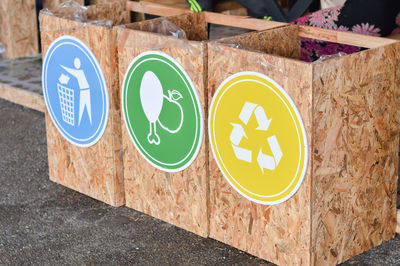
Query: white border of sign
column 297, row 113
column 196, row 100
column 100, row 76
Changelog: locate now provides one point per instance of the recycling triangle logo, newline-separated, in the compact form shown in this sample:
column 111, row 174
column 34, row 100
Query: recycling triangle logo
column 258, row 138
column 265, row 161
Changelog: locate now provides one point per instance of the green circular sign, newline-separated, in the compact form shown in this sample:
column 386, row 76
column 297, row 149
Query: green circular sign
column 162, row 111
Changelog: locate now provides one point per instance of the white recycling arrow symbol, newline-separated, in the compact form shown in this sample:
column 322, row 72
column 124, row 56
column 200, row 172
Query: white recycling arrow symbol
column 264, row 161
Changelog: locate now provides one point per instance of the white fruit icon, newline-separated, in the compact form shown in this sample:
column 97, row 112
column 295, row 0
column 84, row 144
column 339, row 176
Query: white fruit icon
column 152, row 98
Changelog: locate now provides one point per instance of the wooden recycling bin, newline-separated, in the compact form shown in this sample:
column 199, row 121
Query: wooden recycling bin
column 95, row 170
column 178, row 196
column 349, row 105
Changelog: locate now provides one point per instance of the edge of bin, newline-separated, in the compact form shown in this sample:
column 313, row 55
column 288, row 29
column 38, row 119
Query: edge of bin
column 22, row 97
column 398, row 222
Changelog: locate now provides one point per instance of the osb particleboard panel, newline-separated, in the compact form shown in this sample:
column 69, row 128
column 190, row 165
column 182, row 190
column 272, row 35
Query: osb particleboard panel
column 18, row 27
column 52, row 4
column 22, row 97
column 178, row 198
column 114, row 10
column 280, row 233
column 21, row 81
column 194, row 26
column 355, row 154
column 99, row 9
column 398, row 222
column 274, row 41
column 97, row 170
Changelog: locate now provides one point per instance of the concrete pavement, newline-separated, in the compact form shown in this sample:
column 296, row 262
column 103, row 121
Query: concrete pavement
column 44, row 223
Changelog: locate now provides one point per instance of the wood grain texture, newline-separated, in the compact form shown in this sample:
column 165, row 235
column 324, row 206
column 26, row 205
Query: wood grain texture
column 355, row 153
column 241, row 21
column 21, row 81
column 279, row 233
column 178, row 198
column 348, row 38
column 22, row 97
column 349, row 105
column 97, row 170
column 18, row 27
column 114, row 10
column 156, row 8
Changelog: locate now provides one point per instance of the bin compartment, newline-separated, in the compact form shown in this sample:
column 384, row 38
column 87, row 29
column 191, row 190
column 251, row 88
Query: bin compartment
column 349, row 105
column 96, row 170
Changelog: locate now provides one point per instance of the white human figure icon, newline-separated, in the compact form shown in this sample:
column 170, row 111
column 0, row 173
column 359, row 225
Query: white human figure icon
column 84, row 89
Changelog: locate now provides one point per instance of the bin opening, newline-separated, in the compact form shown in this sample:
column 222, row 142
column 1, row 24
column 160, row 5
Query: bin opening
column 102, row 14
column 193, row 26
column 206, row 26
column 304, row 44
column 220, row 31
column 313, row 50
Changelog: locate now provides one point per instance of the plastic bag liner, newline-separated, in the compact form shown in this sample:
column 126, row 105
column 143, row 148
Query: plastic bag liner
column 163, row 27
column 324, row 58
column 167, row 28
column 77, row 12
column 261, row 60
column 101, row 22
column 170, row 41
column 232, row 44
column 71, row 10
column 166, row 35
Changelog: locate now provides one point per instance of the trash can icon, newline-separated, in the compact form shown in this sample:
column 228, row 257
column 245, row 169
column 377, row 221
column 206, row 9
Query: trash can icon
column 66, row 98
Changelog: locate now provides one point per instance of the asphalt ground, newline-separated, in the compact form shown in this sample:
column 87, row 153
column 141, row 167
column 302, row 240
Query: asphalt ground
column 43, row 223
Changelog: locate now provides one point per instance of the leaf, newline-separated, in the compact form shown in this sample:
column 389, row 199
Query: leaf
column 175, row 95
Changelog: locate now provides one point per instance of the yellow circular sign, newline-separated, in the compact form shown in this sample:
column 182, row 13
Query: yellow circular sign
column 258, row 138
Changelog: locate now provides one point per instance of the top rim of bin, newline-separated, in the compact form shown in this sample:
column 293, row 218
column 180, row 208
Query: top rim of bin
column 347, row 38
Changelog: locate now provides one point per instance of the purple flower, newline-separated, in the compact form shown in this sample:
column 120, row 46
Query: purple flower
column 317, row 19
column 366, row 29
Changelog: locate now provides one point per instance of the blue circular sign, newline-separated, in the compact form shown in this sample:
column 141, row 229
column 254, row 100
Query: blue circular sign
column 75, row 91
